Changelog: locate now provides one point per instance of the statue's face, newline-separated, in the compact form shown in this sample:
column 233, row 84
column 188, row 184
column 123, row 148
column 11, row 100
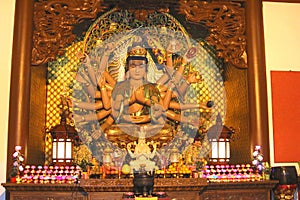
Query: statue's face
column 137, row 69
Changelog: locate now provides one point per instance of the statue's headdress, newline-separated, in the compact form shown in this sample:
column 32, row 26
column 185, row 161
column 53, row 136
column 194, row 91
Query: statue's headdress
column 136, row 53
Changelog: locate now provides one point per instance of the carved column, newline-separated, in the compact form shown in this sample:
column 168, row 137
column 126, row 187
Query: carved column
column 258, row 110
column 18, row 128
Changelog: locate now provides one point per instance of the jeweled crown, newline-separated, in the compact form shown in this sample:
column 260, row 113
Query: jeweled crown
column 137, row 51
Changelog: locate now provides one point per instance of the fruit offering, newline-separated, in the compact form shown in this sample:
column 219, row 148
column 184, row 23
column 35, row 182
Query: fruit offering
column 126, row 169
column 110, row 171
column 174, row 170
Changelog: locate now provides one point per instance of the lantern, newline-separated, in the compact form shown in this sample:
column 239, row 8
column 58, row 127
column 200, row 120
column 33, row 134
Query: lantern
column 219, row 138
column 63, row 138
column 62, row 147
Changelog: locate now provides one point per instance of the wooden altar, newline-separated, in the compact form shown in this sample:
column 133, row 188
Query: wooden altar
column 113, row 189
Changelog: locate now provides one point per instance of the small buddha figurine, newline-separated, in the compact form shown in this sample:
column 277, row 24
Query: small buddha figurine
column 191, row 155
column 95, row 168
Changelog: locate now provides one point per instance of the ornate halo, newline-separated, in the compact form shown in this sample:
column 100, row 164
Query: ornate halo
column 154, row 39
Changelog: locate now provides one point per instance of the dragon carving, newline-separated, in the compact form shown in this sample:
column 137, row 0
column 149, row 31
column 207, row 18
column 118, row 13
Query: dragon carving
column 54, row 23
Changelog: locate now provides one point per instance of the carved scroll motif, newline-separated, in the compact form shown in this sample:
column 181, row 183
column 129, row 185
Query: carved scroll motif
column 226, row 23
column 53, row 25
column 143, row 4
column 54, row 22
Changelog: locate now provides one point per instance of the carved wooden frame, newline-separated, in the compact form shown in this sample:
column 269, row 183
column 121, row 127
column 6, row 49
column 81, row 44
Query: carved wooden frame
column 224, row 19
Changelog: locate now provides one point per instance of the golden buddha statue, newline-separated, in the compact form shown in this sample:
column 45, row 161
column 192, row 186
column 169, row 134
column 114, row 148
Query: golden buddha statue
column 125, row 108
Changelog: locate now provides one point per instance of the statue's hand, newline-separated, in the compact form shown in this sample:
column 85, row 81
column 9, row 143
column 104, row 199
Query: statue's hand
column 81, row 55
column 78, row 118
column 87, row 59
column 157, row 113
column 110, row 47
column 193, row 77
column 102, row 81
column 174, row 46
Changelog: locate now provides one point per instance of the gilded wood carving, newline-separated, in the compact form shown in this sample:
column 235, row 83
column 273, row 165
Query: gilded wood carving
column 54, row 24
column 226, row 27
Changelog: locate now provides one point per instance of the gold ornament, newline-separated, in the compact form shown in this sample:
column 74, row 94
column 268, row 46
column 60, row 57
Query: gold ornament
column 137, row 51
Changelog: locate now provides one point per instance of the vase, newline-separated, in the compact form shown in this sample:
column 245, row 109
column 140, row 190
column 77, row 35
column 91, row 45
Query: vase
column 13, row 179
column 84, row 175
column 287, row 175
column 267, row 176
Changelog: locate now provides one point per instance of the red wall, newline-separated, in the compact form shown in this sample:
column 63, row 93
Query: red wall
column 286, row 115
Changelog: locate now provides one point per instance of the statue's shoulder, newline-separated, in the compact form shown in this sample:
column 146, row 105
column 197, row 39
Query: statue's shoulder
column 120, row 88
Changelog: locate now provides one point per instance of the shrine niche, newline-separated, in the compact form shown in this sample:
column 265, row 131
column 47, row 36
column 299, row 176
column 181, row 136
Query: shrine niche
column 203, row 58
column 216, row 30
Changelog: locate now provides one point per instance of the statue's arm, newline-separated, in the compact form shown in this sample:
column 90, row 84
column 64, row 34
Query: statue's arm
column 104, row 94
